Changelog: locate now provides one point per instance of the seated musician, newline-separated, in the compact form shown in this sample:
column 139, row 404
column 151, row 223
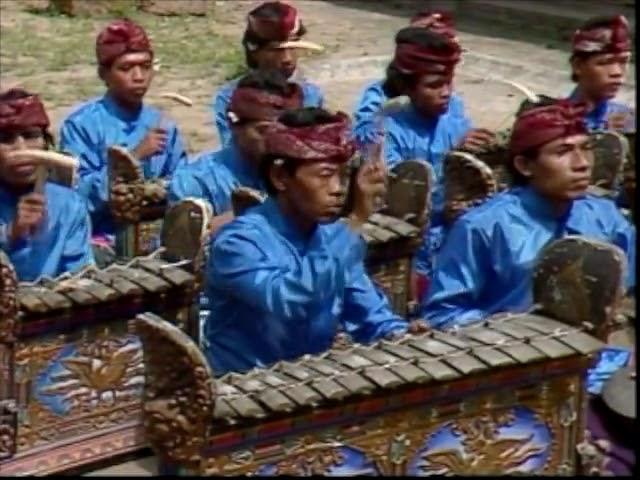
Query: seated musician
column 277, row 288
column 599, row 62
column 46, row 232
column 428, row 128
column 271, row 42
column 486, row 262
column 368, row 111
column 120, row 117
column 259, row 99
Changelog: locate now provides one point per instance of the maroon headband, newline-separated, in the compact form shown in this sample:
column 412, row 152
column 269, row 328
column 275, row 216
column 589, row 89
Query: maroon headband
column 23, row 113
column 436, row 21
column 411, row 58
column 329, row 142
column 120, row 37
column 286, row 26
column 541, row 125
column 612, row 38
column 253, row 104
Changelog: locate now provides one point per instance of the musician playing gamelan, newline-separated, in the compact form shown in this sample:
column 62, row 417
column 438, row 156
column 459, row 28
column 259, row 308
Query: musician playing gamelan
column 278, row 286
column 120, row 117
column 44, row 232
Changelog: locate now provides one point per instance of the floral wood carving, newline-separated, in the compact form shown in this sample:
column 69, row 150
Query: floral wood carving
column 8, row 303
column 178, row 399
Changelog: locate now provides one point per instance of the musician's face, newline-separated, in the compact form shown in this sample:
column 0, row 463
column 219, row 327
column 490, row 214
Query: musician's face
column 129, row 76
column 19, row 172
column 250, row 139
column 285, row 60
column 315, row 190
column 562, row 169
column 601, row 76
column 431, row 94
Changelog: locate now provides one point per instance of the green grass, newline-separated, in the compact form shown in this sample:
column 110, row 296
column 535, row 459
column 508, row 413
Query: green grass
column 45, row 42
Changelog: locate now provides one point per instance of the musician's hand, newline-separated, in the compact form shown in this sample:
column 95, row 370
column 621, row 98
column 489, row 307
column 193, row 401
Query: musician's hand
column 618, row 121
column 418, row 326
column 476, row 139
column 220, row 221
column 370, row 185
column 154, row 142
column 29, row 215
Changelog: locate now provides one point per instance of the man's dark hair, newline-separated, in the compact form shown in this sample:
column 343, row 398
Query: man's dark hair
column 530, row 154
column 17, row 94
column 301, row 117
column 595, row 22
column 397, row 83
column 271, row 81
column 270, row 11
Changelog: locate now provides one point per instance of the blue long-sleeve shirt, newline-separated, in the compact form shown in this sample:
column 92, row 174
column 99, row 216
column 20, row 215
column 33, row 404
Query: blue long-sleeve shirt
column 369, row 107
column 312, row 97
column 276, row 294
column 93, row 127
column 485, row 265
column 213, row 176
column 412, row 136
column 62, row 242
column 596, row 118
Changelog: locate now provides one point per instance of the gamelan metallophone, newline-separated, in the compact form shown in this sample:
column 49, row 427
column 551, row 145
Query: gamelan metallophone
column 505, row 396
column 71, row 363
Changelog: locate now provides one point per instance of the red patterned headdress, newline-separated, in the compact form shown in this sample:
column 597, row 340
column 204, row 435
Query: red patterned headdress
column 541, row 125
column 436, row 21
column 22, row 113
column 120, row 37
column 276, row 25
column 249, row 103
column 329, row 142
column 411, row 58
column 611, row 38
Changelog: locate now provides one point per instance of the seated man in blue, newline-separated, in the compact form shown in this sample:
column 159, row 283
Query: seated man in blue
column 277, row 287
column 599, row 62
column 120, row 118
column 427, row 129
column 367, row 117
column 485, row 264
column 260, row 98
column 44, row 233
column 271, row 42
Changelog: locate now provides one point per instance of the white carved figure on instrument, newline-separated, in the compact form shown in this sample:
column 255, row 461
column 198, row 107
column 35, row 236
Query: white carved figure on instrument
column 44, row 226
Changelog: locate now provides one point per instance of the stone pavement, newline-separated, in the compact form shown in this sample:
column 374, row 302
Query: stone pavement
column 488, row 61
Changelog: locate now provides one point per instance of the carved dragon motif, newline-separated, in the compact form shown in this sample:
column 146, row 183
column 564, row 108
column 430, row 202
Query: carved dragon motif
column 178, row 399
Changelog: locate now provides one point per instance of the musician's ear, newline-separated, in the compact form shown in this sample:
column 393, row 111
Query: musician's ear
column 278, row 176
column 523, row 166
column 577, row 67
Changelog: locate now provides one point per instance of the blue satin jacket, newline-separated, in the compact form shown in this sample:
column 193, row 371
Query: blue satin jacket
column 596, row 119
column 370, row 105
column 95, row 126
column 213, row 176
column 485, row 264
column 276, row 294
column 60, row 245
